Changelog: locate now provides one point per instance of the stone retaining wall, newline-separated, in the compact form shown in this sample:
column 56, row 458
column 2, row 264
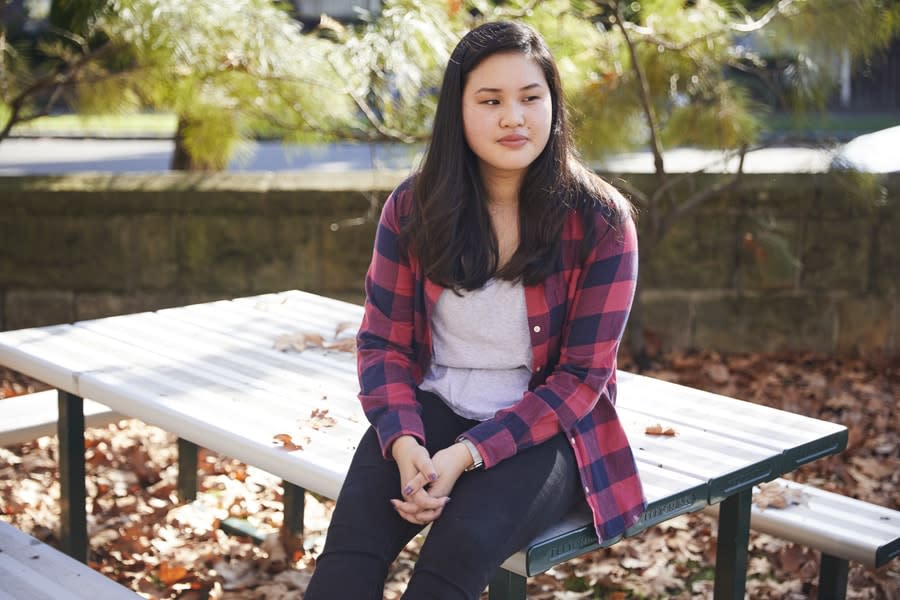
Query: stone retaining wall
column 799, row 262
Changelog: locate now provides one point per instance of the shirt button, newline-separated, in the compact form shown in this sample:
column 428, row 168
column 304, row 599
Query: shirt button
column 587, row 490
column 537, row 328
column 572, row 439
column 538, row 368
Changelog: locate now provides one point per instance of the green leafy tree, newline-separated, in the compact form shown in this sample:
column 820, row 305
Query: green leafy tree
column 224, row 68
column 665, row 68
column 36, row 74
column 221, row 67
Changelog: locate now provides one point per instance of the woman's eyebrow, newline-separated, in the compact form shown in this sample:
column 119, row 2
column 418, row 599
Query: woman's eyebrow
column 498, row 90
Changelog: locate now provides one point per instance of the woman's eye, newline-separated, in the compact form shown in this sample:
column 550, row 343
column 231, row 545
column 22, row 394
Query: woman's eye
column 532, row 98
column 491, row 102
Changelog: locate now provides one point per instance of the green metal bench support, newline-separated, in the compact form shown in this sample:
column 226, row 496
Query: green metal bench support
column 294, row 504
column 73, row 519
column 833, row 573
column 187, row 470
column 731, row 551
column 507, row 585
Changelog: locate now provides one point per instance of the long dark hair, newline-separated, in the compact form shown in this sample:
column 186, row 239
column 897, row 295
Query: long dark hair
column 449, row 228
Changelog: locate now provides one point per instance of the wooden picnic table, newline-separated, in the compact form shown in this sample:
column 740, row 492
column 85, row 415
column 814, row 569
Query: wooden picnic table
column 211, row 374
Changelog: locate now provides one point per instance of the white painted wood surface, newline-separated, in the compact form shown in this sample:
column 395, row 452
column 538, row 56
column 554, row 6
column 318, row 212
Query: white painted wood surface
column 210, row 373
column 33, row 570
column 29, row 416
column 831, row 523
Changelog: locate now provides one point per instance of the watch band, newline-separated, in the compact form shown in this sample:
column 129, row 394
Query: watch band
column 477, row 461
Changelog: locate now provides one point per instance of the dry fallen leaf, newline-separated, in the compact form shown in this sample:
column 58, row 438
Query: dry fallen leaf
column 657, row 429
column 276, row 559
column 775, row 495
column 718, row 372
column 319, row 419
column 344, row 345
column 298, row 341
column 344, row 326
column 169, row 575
column 286, row 442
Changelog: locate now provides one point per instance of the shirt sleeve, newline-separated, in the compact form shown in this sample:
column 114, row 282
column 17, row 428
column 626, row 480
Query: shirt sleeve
column 386, row 344
column 595, row 321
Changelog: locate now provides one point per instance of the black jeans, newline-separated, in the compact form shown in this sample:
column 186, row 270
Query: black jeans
column 492, row 513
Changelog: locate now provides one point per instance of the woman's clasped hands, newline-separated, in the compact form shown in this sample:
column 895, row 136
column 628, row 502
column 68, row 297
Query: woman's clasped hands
column 426, row 481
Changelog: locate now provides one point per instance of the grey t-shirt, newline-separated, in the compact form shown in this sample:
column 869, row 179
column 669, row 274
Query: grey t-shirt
column 481, row 360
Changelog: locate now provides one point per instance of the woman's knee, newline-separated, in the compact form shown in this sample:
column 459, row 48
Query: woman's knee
column 464, row 551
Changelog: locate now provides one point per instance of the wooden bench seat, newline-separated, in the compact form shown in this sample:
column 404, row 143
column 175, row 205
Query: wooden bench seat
column 27, row 417
column 843, row 529
column 31, row 569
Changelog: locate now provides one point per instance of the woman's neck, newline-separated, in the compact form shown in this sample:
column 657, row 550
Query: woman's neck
column 502, row 188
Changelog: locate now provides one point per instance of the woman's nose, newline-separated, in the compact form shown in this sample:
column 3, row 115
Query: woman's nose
column 513, row 116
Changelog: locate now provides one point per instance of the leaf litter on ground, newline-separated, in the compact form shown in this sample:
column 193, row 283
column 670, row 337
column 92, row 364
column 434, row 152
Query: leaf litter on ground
column 142, row 537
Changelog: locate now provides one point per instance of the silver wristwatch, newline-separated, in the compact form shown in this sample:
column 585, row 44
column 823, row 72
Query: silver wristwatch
column 477, row 461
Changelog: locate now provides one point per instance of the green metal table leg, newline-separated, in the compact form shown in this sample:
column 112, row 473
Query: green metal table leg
column 73, row 518
column 731, row 551
column 507, row 586
column 294, row 504
column 833, row 578
column 187, row 470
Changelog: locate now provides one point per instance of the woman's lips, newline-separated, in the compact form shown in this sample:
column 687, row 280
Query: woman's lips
column 513, row 141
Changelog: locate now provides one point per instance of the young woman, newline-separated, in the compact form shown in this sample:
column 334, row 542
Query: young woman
column 502, row 277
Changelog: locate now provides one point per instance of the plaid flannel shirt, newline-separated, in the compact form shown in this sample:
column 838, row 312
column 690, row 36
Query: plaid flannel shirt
column 576, row 317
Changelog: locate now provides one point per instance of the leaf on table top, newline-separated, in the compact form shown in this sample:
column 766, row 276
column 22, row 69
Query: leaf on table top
column 657, row 429
column 286, row 441
column 345, row 326
column 344, row 345
column 298, row 341
column 319, row 419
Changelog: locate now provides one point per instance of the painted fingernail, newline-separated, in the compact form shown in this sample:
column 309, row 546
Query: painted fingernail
column 433, row 477
column 407, row 491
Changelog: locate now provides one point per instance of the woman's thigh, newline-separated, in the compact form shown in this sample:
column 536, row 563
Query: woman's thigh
column 495, row 512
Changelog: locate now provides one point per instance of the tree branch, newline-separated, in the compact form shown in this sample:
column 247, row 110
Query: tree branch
column 750, row 25
column 676, row 212
column 366, row 110
column 644, row 88
column 57, row 80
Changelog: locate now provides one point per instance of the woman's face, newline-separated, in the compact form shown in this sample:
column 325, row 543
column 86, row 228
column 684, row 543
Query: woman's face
column 507, row 113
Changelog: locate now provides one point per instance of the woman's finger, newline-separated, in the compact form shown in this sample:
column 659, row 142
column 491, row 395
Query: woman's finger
column 406, row 507
column 425, row 501
column 412, row 514
column 414, row 485
column 423, row 464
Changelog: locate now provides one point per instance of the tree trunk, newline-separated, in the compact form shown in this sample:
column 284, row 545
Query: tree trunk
column 182, row 159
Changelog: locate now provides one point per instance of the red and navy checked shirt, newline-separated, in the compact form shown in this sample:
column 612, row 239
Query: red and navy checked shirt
column 576, row 316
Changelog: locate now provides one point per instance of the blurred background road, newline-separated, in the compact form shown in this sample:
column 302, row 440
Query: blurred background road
column 27, row 156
